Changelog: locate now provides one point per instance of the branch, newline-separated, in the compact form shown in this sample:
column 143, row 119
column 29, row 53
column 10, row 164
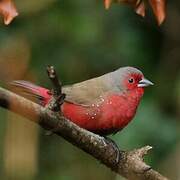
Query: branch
column 130, row 164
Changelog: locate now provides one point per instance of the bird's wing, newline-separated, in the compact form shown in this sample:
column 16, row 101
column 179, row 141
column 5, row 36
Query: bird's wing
column 87, row 92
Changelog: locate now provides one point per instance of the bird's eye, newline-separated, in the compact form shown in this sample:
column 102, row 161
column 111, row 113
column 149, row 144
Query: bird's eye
column 131, row 80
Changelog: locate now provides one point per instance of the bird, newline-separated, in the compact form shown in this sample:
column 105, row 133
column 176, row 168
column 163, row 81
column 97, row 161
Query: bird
column 103, row 105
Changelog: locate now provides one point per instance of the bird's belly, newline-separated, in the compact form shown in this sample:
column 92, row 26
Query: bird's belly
column 116, row 114
column 111, row 115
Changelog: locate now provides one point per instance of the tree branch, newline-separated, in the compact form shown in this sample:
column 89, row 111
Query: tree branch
column 130, row 164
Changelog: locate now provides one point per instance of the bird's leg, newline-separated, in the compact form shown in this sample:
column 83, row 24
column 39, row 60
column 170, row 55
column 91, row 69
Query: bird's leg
column 115, row 146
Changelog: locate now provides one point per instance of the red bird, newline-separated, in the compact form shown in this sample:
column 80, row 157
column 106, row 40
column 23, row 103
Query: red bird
column 103, row 105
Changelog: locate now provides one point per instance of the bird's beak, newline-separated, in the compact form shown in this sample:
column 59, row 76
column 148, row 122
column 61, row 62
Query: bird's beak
column 144, row 83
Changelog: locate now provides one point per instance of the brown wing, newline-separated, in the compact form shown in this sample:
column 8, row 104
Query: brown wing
column 87, row 92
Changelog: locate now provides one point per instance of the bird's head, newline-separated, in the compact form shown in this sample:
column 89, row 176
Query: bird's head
column 130, row 79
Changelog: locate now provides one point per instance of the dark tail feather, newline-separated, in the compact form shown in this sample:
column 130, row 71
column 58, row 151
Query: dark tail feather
column 31, row 91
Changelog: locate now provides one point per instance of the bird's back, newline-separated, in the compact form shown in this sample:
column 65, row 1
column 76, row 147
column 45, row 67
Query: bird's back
column 87, row 92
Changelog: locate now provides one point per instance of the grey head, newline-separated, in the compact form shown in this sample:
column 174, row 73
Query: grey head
column 118, row 77
column 129, row 78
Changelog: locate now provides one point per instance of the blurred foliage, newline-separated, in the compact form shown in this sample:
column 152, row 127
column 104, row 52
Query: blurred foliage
column 82, row 41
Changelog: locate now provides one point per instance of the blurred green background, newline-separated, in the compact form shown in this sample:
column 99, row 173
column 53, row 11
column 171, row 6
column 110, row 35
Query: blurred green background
column 83, row 40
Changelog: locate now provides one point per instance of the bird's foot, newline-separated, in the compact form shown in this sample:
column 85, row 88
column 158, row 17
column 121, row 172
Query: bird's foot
column 115, row 146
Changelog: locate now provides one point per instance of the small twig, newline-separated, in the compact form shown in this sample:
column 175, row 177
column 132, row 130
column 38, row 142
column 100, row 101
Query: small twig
column 55, row 81
column 57, row 95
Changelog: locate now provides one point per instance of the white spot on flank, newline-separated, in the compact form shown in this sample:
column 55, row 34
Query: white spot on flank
column 102, row 99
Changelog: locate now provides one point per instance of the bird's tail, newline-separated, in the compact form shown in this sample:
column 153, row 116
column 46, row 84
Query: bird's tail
column 31, row 91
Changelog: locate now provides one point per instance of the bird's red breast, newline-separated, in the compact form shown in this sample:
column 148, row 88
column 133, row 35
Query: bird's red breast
column 110, row 113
